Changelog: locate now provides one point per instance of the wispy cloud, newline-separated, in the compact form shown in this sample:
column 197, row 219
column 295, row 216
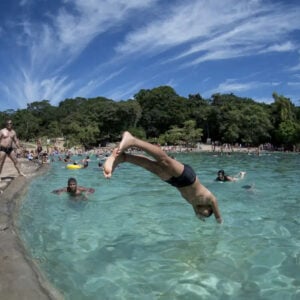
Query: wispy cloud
column 294, row 84
column 51, row 46
column 77, row 27
column 266, row 100
column 295, row 68
column 50, row 50
column 233, row 86
column 125, row 91
column 283, row 47
column 217, row 30
column 95, row 83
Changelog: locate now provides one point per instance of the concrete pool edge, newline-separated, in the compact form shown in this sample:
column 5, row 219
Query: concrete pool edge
column 20, row 277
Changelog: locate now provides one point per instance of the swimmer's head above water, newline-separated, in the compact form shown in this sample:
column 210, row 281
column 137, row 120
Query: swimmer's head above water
column 221, row 175
column 72, row 185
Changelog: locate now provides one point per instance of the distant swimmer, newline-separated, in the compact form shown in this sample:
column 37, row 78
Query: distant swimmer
column 223, row 177
column 73, row 189
column 249, row 188
column 86, row 161
column 179, row 175
column 67, row 158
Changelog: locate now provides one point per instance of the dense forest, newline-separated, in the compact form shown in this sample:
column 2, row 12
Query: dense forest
column 161, row 115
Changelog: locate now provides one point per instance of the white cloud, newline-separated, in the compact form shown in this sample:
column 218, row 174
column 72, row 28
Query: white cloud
column 294, row 84
column 187, row 32
column 283, row 47
column 95, row 83
column 54, row 44
column 24, row 2
column 75, row 30
column 266, row 100
column 125, row 91
column 295, row 68
column 233, row 86
column 215, row 30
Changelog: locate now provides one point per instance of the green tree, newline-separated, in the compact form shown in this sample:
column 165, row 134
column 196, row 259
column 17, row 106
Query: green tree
column 255, row 125
column 44, row 113
column 188, row 134
column 239, row 120
column 129, row 113
column 26, row 125
column 161, row 112
column 288, row 132
column 285, row 122
column 191, row 134
column 200, row 110
column 161, row 109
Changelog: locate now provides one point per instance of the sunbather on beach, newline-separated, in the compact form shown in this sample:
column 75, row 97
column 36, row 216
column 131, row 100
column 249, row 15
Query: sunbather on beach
column 8, row 137
column 179, row 175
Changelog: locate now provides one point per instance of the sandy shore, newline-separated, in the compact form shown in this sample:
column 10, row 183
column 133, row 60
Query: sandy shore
column 20, row 278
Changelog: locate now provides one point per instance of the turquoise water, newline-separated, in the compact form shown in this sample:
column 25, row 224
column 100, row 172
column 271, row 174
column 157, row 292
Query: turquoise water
column 136, row 238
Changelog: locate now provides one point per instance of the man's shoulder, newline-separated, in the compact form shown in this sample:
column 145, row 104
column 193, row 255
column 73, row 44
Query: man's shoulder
column 12, row 134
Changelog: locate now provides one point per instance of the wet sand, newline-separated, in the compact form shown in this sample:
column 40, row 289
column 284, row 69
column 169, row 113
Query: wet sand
column 20, row 278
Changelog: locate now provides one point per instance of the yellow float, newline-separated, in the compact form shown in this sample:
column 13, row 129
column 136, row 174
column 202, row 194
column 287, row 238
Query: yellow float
column 74, row 167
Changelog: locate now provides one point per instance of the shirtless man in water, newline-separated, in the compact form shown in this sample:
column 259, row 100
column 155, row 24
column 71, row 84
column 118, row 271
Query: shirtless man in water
column 74, row 190
column 168, row 169
column 7, row 137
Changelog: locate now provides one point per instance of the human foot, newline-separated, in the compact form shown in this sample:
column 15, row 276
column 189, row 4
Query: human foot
column 111, row 163
column 127, row 141
column 242, row 174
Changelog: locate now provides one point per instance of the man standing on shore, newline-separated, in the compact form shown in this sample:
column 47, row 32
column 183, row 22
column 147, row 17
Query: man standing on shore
column 7, row 137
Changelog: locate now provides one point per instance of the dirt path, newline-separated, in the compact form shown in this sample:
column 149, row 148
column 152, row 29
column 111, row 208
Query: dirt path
column 20, row 278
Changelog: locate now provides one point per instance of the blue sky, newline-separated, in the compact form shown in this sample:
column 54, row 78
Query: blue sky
column 58, row 49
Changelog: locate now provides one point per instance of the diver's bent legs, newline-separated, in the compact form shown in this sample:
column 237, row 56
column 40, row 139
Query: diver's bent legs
column 148, row 164
column 173, row 167
column 142, row 161
column 128, row 141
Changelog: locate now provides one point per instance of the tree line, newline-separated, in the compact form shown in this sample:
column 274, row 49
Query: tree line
column 161, row 115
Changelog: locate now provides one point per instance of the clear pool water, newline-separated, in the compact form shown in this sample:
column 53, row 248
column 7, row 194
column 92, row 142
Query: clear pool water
column 136, row 238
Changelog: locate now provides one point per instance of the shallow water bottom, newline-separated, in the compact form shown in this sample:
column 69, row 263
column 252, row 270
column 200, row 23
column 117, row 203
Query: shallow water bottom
column 136, row 238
